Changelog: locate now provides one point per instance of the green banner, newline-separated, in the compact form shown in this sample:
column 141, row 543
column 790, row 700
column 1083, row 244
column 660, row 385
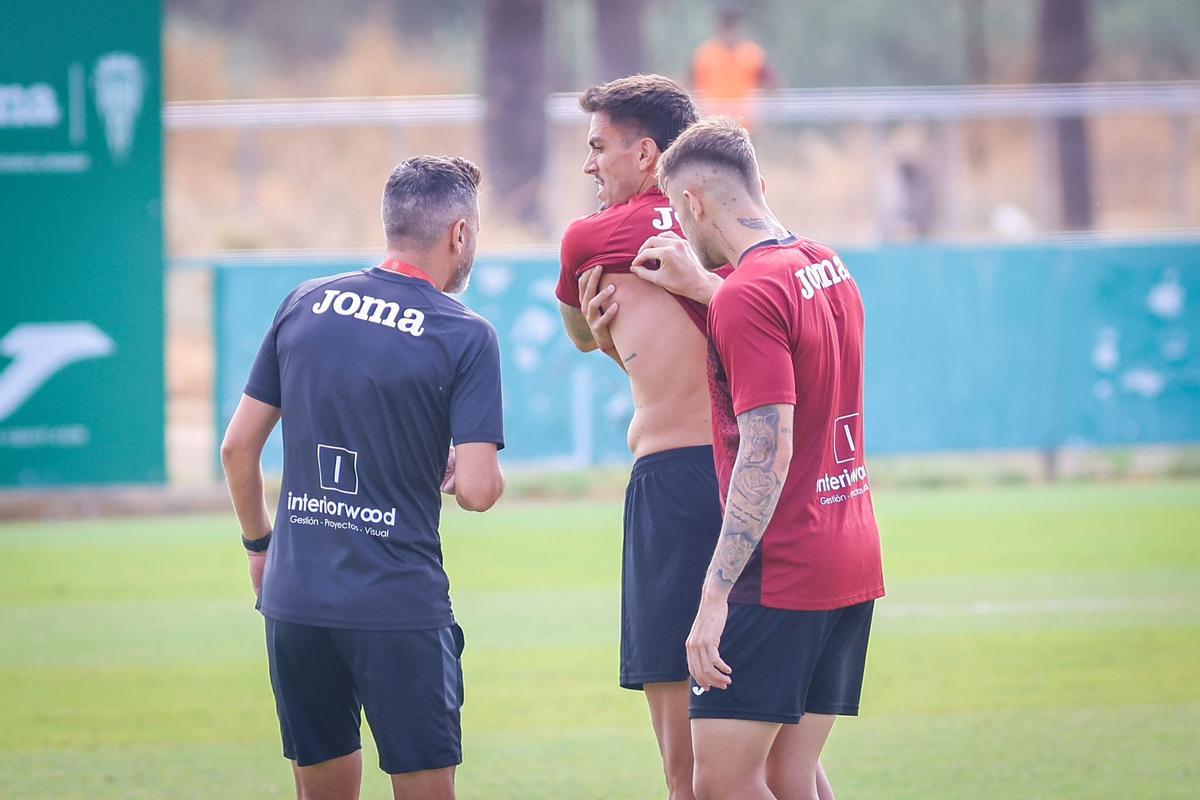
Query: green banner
column 81, row 243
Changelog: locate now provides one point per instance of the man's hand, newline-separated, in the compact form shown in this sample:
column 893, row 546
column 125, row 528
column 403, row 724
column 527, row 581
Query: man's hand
column 590, row 300
column 448, row 477
column 258, row 562
column 679, row 269
column 703, row 655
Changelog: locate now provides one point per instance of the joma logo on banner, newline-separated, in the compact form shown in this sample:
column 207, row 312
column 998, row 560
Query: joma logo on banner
column 118, row 88
column 40, row 350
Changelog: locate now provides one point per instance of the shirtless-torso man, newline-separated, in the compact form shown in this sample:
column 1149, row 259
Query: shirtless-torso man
column 672, row 507
column 659, row 339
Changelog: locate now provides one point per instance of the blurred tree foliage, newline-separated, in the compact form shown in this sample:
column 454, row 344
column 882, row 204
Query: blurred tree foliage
column 810, row 42
column 267, row 38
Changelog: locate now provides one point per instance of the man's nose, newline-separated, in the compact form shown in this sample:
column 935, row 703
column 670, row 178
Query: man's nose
column 589, row 164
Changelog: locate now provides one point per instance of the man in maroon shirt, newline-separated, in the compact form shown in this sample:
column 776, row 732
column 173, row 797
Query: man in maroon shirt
column 781, row 632
column 672, row 511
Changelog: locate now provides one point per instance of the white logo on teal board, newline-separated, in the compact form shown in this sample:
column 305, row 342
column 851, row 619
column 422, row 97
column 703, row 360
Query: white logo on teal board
column 40, row 350
column 119, row 83
column 34, row 106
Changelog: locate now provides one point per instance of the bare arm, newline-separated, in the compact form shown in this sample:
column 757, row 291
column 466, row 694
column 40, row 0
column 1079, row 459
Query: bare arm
column 577, row 328
column 478, row 480
column 755, row 486
column 592, row 320
column 241, row 452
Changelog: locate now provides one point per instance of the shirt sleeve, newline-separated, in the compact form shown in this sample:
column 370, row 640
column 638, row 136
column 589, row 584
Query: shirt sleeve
column 749, row 330
column 572, row 257
column 476, row 405
column 264, row 383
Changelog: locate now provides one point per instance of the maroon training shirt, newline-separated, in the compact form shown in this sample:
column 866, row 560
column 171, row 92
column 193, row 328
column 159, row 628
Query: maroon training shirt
column 611, row 239
column 787, row 327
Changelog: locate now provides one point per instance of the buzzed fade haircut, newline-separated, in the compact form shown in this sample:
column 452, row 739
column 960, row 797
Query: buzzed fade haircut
column 655, row 106
column 718, row 142
column 424, row 195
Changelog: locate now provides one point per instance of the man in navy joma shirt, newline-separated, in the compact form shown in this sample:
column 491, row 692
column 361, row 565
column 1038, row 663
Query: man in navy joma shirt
column 374, row 374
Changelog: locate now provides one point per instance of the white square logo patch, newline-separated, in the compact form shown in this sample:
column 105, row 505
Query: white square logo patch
column 845, row 449
column 338, row 468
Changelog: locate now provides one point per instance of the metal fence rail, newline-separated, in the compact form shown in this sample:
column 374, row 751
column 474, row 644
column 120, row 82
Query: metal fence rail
column 939, row 107
column 790, row 105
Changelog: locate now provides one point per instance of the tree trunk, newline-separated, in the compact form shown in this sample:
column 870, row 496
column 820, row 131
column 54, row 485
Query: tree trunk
column 515, row 86
column 976, row 57
column 975, row 41
column 619, row 27
column 1064, row 53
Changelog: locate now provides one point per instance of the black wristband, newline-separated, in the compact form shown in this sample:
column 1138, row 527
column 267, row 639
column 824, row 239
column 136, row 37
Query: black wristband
column 256, row 545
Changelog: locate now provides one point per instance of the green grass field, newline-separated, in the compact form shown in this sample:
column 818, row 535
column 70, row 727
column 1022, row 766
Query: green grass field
column 1035, row 643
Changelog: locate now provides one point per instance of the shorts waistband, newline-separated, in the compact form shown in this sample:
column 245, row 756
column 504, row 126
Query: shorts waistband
column 649, row 463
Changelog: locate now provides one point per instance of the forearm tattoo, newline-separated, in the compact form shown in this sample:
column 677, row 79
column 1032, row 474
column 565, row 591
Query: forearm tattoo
column 754, row 490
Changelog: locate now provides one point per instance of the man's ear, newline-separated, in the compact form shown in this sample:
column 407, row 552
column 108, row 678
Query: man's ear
column 762, row 184
column 458, row 236
column 694, row 203
column 648, row 154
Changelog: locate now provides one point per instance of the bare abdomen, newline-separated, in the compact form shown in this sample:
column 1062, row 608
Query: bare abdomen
column 665, row 354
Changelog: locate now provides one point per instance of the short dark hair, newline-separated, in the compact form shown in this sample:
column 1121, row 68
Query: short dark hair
column 426, row 193
column 658, row 107
column 718, row 142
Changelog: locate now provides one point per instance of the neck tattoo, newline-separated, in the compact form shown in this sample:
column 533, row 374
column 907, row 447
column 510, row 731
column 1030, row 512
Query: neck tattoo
column 762, row 224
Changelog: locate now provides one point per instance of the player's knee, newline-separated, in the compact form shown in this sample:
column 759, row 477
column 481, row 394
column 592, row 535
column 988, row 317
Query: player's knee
column 710, row 783
column 796, row 775
column 679, row 779
column 792, row 786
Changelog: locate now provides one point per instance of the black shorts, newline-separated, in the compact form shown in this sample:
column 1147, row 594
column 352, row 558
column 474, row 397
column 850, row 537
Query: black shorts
column 672, row 520
column 787, row 663
column 409, row 683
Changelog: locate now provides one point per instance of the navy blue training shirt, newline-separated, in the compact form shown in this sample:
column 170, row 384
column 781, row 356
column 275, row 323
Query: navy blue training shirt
column 376, row 373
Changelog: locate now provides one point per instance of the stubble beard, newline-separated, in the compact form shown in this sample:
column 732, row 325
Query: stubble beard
column 707, row 259
column 461, row 278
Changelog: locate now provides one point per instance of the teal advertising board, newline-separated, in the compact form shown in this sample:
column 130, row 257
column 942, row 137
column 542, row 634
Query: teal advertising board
column 81, row 243
column 1032, row 347
column 1036, row 347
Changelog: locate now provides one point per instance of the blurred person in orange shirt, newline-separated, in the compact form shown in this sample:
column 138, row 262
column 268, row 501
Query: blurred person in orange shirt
column 729, row 70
